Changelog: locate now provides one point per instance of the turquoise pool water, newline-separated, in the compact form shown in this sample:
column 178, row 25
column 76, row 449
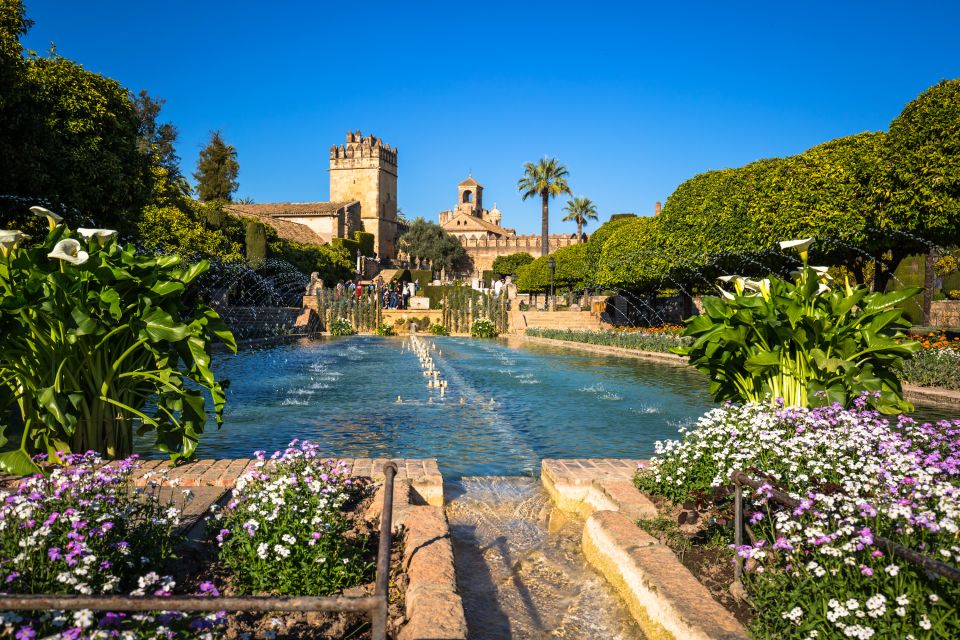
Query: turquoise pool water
column 519, row 405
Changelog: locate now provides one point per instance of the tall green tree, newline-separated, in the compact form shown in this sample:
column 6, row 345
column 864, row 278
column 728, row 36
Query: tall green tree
column 68, row 138
column 580, row 210
column 427, row 240
column 217, row 170
column 547, row 179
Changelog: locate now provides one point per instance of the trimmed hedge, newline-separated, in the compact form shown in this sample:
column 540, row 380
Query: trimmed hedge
column 570, row 269
column 855, row 193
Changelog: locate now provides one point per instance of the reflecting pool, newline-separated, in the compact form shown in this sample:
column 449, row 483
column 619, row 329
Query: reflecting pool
column 502, row 411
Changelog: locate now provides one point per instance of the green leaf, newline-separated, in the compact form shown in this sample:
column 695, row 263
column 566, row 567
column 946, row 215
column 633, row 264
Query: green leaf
column 160, row 325
column 18, row 463
column 762, row 361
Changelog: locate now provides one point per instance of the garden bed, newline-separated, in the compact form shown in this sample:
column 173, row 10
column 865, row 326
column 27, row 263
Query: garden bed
column 294, row 525
column 822, row 566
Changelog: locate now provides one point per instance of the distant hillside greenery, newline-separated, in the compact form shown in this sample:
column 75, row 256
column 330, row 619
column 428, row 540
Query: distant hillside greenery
column 865, row 196
column 90, row 149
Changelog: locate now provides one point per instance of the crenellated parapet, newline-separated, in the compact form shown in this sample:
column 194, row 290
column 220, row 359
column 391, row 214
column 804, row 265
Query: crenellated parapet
column 359, row 147
column 513, row 244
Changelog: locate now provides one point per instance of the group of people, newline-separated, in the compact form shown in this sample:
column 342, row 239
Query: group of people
column 392, row 295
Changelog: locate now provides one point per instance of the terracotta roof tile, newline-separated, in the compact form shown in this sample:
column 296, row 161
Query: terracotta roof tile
column 469, row 182
column 290, row 209
column 286, row 230
column 464, row 222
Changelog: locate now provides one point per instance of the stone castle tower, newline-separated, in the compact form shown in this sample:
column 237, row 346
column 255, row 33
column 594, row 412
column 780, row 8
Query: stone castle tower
column 365, row 169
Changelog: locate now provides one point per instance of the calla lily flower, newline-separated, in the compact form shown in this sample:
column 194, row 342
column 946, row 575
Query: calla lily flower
column 10, row 240
column 823, row 288
column 737, row 281
column 69, row 250
column 803, row 246
column 102, row 236
column 726, row 294
column 760, row 286
column 52, row 218
column 821, row 273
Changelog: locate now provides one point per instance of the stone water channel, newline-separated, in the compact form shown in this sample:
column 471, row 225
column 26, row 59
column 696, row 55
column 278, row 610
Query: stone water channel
column 520, row 570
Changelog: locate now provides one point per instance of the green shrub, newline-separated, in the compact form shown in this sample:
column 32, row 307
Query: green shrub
column 934, row 368
column 352, row 247
column 802, row 343
column 386, row 330
column 94, row 335
column 341, row 327
column 509, row 265
column 483, row 328
column 439, row 330
column 365, row 242
column 569, row 271
column 659, row 341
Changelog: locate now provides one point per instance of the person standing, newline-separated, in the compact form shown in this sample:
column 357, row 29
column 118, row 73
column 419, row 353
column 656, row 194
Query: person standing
column 497, row 287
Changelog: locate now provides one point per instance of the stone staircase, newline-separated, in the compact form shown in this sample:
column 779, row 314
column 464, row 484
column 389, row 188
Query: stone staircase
column 575, row 320
column 388, row 274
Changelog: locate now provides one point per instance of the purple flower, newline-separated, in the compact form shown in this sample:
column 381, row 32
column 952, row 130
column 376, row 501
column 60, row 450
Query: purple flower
column 26, row 633
column 54, row 553
column 756, row 517
column 208, row 588
column 781, row 543
column 865, row 570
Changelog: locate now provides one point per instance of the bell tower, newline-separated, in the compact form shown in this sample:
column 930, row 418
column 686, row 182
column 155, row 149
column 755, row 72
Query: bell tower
column 469, row 198
column 365, row 169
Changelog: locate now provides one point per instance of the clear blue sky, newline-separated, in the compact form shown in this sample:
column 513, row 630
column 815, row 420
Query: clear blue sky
column 634, row 98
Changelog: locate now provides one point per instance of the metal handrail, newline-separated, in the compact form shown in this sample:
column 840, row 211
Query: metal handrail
column 376, row 605
column 895, row 548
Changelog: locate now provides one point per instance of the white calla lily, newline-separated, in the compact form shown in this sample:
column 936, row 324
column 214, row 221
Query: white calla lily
column 823, row 288
column 803, row 246
column 100, row 235
column 726, row 294
column 52, row 218
column 10, row 240
column 737, row 281
column 69, row 250
column 760, row 286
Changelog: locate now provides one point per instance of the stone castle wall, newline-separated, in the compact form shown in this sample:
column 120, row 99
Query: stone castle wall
column 484, row 251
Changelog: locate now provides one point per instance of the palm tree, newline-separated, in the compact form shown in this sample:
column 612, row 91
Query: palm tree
column 581, row 210
column 546, row 178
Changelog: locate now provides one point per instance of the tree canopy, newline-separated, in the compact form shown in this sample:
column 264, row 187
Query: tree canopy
column 547, row 178
column 428, row 240
column 510, row 264
column 570, row 267
column 217, row 170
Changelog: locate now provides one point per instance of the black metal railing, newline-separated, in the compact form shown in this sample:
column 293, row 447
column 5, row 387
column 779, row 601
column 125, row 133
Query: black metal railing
column 375, row 605
column 894, row 548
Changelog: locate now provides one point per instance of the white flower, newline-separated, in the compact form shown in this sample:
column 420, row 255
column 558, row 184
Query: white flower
column 52, row 218
column 83, row 618
column 924, row 622
column 800, row 245
column 10, row 240
column 100, row 235
column 892, row 569
column 69, row 250
column 262, row 549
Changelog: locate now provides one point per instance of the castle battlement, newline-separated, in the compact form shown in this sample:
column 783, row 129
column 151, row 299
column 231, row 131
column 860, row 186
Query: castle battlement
column 520, row 243
column 370, row 147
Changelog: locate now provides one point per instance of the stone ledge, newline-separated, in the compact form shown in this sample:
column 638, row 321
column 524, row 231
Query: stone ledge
column 652, row 356
column 588, row 485
column 664, row 597
column 434, row 608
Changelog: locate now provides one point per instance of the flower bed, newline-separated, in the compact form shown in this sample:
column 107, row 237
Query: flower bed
column 659, row 339
column 83, row 530
column 296, row 524
column 937, row 364
column 817, row 571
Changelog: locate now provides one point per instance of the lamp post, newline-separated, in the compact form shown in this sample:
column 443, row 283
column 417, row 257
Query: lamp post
column 553, row 267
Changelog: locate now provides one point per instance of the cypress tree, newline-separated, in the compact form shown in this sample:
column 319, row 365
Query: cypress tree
column 217, row 170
